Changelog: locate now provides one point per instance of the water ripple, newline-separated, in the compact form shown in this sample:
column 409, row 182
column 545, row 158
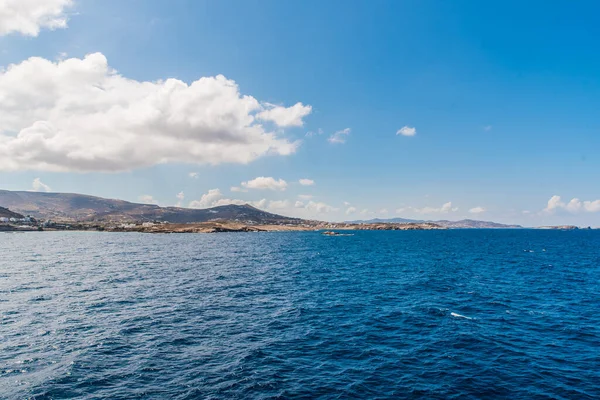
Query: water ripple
column 431, row 314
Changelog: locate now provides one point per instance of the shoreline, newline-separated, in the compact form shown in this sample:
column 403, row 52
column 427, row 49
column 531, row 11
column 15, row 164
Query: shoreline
column 232, row 226
column 217, row 227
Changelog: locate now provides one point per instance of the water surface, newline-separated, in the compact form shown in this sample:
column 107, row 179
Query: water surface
column 415, row 314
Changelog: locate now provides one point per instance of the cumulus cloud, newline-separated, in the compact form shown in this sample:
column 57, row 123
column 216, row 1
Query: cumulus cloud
column 265, row 182
column 320, row 207
column 147, row 199
column 282, row 116
column 215, row 198
column 574, row 206
column 306, row 182
column 310, row 209
column 445, row 208
column 81, row 115
column 407, row 131
column 38, row 186
column 278, row 204
column 350, row 210
column 237, row 189
column 193, row 175
column 180, row 197
column 28, row 17
column 339, row 137
column 477, row 210
column 260, row 203
column 302, row 209
column 207, row 199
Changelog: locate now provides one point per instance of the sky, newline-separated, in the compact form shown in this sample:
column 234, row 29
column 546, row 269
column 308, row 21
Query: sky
column 331, row 110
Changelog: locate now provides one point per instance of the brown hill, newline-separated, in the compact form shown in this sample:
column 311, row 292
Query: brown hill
column 78, row 207
column 6, row 213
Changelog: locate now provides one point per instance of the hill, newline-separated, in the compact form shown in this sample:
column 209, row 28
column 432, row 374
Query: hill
column 465, row 223
column 78, row 207
column 6, row 213
column 474, row 224
column 70, row 207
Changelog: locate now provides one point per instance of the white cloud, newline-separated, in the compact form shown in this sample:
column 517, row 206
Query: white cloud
column 38, row 186
column 477, row 210
column 346, row 203
column 28, row 17
column 238, row 189
column 147, row 199
column 445, row 208
column 312, row 133
column 282, row 116
column 401, row 210
column 591, row 206
column 278, row 204
column 180, row 197
column 81, row 115
column 487, row 128
column 574, row 206
column 264, row 182
column 194, row 175
column 306, row 182
column 350, row 210
column 207, row 199
column 339, row 137
column 365, row 211
column 407, row 131
column 214, row 198
column 383, row 211
column 260, row 203
column 305, row 196
column 301, row 209
column 554, row 203
column 320, row 207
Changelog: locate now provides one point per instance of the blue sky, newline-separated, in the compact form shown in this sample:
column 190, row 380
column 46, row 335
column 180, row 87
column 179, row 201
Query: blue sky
column 504, row 98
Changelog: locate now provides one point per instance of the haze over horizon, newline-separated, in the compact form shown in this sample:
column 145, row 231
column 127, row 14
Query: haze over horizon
column 422, row 110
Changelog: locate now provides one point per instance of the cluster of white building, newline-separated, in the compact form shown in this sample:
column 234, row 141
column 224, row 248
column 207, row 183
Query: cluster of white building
column 6, row 220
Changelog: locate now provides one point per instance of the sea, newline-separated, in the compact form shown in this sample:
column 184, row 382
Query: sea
column 453, row 314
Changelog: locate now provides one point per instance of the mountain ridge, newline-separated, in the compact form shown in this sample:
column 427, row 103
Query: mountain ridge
column 71, row 207
column 80, row 207
column 463, row 223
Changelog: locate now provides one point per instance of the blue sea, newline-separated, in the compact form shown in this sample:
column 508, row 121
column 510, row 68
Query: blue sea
column 469, row 314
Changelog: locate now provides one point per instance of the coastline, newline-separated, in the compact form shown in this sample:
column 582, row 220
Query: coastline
column 221, row 226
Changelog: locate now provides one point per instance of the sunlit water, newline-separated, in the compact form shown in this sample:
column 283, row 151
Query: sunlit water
column 424, row 314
